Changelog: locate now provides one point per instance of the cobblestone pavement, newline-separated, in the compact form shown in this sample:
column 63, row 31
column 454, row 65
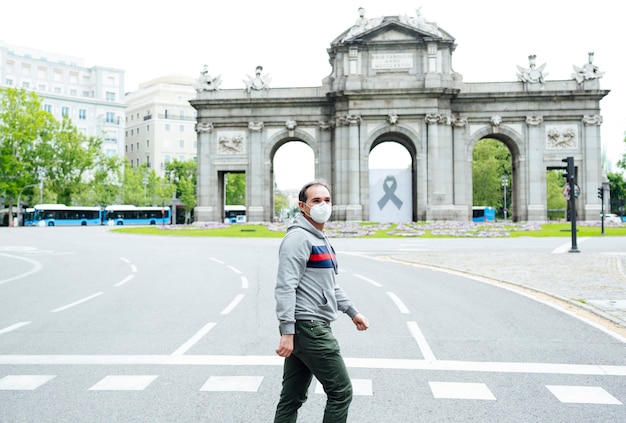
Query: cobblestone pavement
column 593, row 285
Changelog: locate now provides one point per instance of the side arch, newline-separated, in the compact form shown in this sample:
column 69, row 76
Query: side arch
column 513, row 141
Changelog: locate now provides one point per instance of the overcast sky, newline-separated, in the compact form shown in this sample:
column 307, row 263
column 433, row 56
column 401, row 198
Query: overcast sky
column 289, row 38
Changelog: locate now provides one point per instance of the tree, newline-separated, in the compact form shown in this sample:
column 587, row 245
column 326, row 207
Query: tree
column 73, row 157
column 25, row 130
column 235, row 189
column 491, row 160
column 554, row 191
column 617, row 186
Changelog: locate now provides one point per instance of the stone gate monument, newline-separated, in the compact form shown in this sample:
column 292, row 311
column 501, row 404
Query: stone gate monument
column 392, row 80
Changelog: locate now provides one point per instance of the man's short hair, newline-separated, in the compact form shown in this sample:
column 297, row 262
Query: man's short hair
column 302, row 195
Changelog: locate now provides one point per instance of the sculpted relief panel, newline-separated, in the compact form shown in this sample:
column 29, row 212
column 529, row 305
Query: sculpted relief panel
column 231, row 142
column 561, row 137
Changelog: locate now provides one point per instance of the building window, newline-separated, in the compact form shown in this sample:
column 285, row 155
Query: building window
column 25, row 84
column 147, row 128
column 195, row 144
column 111, row 153
column 147, row 143
column 74, row 93
column 166, row 143
column 181, row 115
column 85, row 93
column 167, row 127
column 47, row 108
column 57, row 90
column 131, row 147
column 65, row 111
column 181, row 128
column 137, row 146
column 148, row 162
column 82, row 114
column 181, row 143
column 9, row 82
column 110, row 96
column 110, row 117
column 58, row 75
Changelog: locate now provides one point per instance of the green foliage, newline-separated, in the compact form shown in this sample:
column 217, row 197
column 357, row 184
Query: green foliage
column 25, row 133
column 554, row 191
column 617, row 185
column 235, row 189
column 491, row 160
column 183, row 174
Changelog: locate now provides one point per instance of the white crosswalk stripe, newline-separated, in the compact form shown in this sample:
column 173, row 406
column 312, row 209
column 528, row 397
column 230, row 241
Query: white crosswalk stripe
column 124, row 383
column 361, row 387
column 582, row 395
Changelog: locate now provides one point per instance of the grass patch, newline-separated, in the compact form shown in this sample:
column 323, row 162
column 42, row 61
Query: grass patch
column 375, row 230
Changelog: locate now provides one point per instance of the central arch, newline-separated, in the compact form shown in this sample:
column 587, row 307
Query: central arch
column 405, row 141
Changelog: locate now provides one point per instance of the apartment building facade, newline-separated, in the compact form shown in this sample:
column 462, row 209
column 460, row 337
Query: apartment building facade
column 93, row 97
column 160, row 123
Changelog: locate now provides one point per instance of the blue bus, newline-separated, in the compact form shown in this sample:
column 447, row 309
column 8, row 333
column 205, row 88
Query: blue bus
column 123, row 214
column 62, row 215
column 235, row 214
column 483, row 214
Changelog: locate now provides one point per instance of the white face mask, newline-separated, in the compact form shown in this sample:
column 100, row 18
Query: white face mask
column 320, row 213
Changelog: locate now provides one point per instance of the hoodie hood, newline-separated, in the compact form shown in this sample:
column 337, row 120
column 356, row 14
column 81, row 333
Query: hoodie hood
column 301, row 222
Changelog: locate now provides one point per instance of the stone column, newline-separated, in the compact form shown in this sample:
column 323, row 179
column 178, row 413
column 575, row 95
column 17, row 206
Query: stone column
column 354, row 209
column 204, row 212
column 462, row 166
column 590, row 177
column 536, row 170
column 256, row 191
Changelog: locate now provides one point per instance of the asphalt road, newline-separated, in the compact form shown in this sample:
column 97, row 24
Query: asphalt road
column 104, row 327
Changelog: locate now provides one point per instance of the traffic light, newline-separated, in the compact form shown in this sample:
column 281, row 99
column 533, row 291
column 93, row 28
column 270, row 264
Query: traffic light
column 601, row 193
column 569, row 171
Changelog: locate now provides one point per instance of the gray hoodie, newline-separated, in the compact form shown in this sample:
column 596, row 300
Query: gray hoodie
column 305, row 286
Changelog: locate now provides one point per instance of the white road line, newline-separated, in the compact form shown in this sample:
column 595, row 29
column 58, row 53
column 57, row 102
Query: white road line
column 124, row 259
column 244, row 282
column 398, row 302
column 126, row 279
column 233, row 304
column 217, row 260
column 361, row 363
column 194, row 339
column 13, row 327
column 419, row 337
column 566, row 247
column 133, row 268
column 36, row 268
column 376, row 284
column 65, row 307
column 234, row 269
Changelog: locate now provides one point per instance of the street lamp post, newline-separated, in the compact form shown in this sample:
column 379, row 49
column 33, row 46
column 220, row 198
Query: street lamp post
column 505, row 183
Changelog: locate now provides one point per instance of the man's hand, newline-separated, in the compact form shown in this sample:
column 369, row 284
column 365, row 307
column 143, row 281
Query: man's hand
column 361, row 322
column 286, row 345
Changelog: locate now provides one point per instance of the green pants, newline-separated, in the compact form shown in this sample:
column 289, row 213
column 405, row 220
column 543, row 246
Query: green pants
column 315, row 353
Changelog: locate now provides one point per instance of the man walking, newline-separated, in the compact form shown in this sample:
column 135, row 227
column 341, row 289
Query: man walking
column 307, row 301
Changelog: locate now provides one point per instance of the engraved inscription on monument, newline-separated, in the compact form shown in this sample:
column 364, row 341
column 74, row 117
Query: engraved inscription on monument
column 392, row 61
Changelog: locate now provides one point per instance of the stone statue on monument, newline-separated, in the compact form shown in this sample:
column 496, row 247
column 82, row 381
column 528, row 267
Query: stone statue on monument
column 587, row 71
column 258, row 82
column 533, row 74
column 207, row 83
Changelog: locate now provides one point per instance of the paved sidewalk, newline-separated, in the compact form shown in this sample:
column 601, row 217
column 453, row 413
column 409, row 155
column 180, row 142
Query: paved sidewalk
column 591, row 284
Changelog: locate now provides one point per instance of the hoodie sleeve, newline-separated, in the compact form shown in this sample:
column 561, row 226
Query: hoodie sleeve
column 293, row 255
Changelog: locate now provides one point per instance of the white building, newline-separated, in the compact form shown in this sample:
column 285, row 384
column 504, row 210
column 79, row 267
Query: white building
column 160, row 122
column 92, row 97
